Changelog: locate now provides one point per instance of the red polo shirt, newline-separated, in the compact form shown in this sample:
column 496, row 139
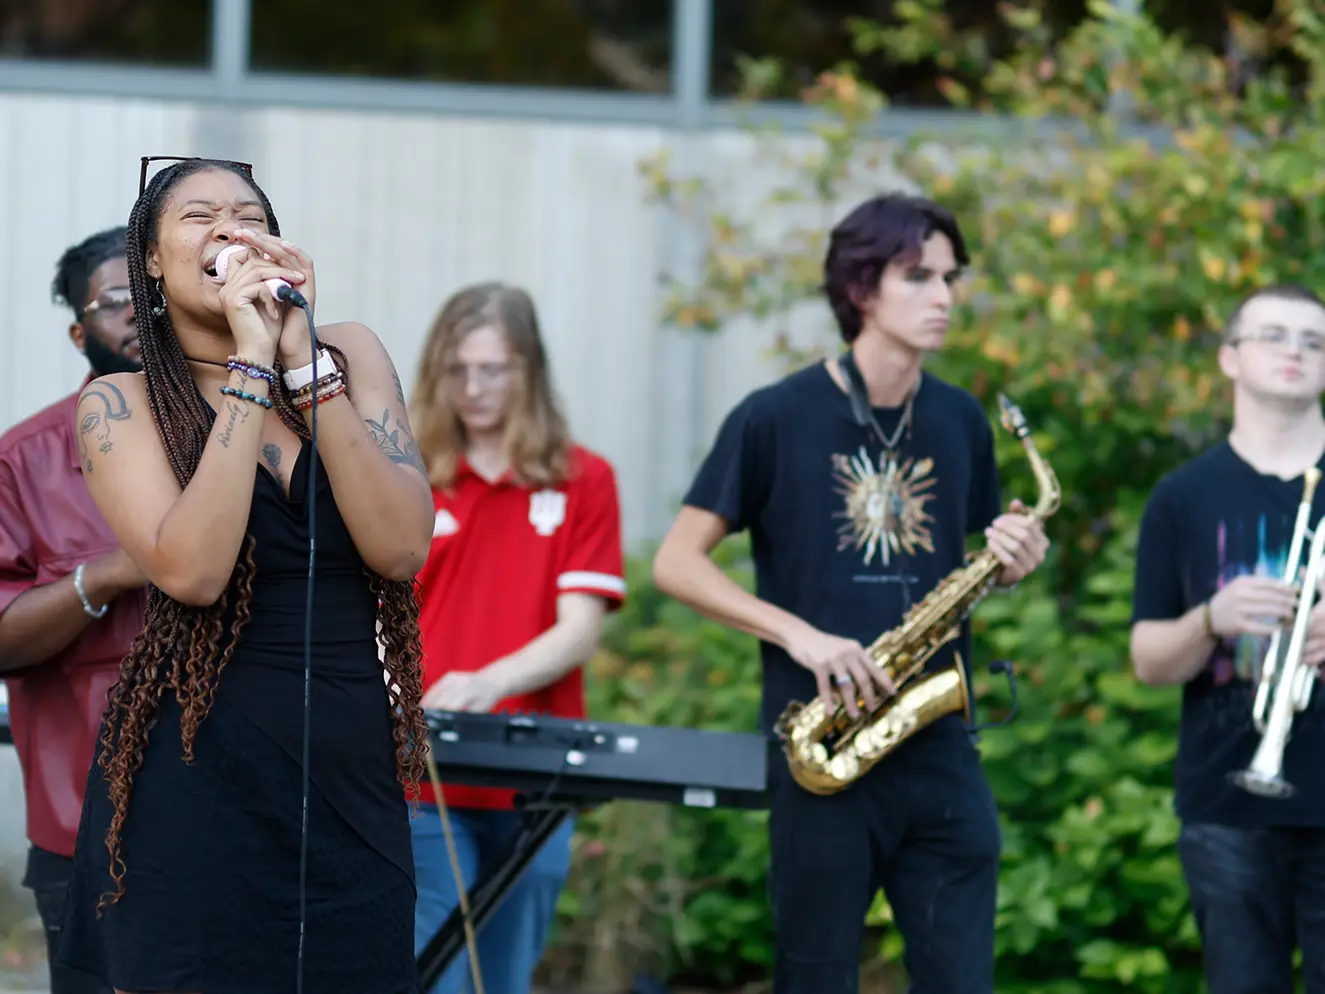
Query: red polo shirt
column 48, row 525
column 501, row 555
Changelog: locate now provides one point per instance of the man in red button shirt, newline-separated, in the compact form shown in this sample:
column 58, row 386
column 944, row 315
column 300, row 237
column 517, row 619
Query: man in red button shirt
column 70, row 601
column 525, row 562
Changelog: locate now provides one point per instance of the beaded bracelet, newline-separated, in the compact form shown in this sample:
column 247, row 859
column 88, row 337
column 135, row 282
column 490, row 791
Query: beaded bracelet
column 325, row 391
column 245, row 395
column 323, row 397
column 305, row 393
column 324, row 394
column 252, row 369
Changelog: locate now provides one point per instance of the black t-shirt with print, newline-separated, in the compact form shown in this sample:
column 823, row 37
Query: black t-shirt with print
column 1206, row 523
column 832, row 542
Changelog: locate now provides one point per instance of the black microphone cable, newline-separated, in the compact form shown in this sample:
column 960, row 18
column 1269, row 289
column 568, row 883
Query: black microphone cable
column 294, row 297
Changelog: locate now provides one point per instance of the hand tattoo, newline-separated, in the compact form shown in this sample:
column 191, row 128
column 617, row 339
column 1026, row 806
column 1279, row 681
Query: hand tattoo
column 94, row 427
column 396, row 443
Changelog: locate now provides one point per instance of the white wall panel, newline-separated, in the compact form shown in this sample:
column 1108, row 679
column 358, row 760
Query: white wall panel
column 397, row 210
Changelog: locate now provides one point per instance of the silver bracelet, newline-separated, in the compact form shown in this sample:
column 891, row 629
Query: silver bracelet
column 82, row 594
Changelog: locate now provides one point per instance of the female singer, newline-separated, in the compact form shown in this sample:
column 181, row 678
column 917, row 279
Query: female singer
column 189, row 874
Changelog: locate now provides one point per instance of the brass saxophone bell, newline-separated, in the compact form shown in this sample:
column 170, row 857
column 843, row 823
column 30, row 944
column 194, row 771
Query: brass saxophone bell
column 826, row 750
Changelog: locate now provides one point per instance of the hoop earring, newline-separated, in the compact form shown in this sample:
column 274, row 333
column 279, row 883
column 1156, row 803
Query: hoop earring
column 159, row 309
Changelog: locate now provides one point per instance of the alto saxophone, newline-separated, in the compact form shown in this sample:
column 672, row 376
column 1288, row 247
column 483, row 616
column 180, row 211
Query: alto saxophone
column 827, row 750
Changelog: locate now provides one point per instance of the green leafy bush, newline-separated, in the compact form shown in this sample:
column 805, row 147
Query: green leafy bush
column 1130, row 189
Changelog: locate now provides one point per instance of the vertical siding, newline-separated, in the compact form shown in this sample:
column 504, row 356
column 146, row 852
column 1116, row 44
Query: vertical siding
column 397, row 211
column 67, row 168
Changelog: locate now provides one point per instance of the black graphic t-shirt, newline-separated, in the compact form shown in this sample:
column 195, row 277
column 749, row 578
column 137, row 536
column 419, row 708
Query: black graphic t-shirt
column 836, row 541
column 1208, row 522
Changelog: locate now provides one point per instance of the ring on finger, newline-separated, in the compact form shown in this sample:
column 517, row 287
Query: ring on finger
column 843, row 679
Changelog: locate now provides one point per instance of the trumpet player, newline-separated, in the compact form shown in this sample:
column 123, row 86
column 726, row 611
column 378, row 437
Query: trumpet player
column 1217, row 562
column 856, row 511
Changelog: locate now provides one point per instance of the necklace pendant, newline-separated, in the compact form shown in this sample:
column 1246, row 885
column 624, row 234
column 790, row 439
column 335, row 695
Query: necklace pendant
column 888, row 465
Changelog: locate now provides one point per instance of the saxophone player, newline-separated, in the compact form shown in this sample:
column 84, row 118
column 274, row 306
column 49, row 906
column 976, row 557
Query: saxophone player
column 859, row 480
column 1212, row 573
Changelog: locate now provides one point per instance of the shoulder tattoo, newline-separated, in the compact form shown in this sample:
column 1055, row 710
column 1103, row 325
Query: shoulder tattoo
column 102, row 405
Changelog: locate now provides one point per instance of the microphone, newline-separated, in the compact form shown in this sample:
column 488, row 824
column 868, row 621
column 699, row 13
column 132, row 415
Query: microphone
column 280, row 289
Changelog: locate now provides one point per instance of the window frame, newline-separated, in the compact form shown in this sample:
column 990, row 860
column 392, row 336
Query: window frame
column 229, row 79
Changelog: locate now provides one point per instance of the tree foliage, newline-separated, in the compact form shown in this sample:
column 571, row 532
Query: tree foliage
column 1120, row 192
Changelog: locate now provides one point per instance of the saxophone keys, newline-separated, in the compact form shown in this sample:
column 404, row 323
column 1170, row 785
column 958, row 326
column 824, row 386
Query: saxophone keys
column 844, row 766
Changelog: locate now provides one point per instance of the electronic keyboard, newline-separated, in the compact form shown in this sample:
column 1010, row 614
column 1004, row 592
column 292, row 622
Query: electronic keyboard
column 560, row 766
column 557, row 759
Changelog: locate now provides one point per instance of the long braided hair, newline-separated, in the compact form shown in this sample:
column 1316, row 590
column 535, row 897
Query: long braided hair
column 179, row 646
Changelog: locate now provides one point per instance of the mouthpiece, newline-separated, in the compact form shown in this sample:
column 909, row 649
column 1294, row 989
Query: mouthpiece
column 1012, row 418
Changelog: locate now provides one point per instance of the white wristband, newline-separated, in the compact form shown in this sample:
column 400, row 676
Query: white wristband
column 297, row 379
column 96, row 612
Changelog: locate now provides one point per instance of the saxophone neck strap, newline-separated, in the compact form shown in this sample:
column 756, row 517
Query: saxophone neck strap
column 862, row 412
column 857, row 394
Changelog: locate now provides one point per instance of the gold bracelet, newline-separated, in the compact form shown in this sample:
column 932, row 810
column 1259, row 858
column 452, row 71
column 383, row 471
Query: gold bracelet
column 1206, row 622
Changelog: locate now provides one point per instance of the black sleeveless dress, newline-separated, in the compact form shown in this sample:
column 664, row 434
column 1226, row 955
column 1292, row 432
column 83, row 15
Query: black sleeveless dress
column 211, row 850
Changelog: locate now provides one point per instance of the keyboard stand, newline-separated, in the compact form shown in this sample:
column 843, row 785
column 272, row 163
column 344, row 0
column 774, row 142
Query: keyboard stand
column 541, row 823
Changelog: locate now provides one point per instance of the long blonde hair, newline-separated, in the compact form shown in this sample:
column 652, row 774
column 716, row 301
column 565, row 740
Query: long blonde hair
column 537, row 436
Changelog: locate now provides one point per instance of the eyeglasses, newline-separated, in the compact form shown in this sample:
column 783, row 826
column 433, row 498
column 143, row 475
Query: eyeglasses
column 111, row 301
column 142, row 175
column 487, row 374
column 1306, row 341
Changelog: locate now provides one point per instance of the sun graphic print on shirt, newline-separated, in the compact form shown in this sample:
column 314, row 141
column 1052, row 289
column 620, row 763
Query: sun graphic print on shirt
column 885, row 506
column 1241, row 554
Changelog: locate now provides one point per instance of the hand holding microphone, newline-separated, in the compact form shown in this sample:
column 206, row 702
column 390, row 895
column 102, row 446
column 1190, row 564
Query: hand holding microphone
column 295, row 342
column 255, row 316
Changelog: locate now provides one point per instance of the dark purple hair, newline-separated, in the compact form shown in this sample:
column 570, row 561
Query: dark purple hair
column 884, row 228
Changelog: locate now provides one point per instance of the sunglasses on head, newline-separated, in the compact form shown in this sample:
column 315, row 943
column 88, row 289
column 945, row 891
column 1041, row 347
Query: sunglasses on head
column 142, row 175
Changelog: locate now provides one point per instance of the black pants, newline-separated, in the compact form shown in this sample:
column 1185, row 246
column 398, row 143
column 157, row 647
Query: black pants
column 1257, row 894
column 923, row 826
column 47, row 877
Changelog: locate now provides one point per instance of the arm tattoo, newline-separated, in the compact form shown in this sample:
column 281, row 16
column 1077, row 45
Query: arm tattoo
column 94, row 428
column 396, row 443
column 400, row 391
column 271, row 454
column 236, row 413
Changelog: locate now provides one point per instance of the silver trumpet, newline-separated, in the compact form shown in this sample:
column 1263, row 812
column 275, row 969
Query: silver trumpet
column 1286, row 682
